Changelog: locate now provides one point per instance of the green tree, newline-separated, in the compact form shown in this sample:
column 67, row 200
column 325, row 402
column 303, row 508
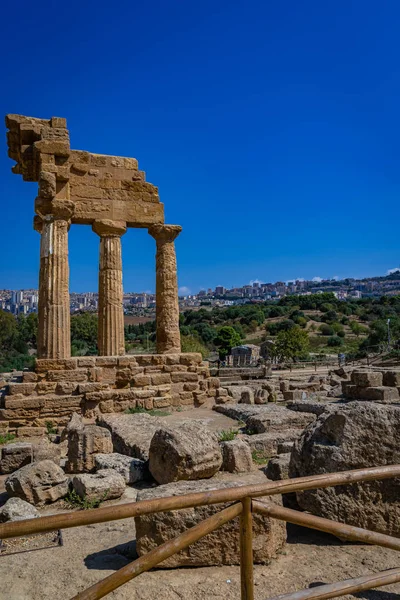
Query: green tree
column 291, row 344
column 326, row 329
column 189, row 343
column 84, row 334
column 357, row 329
column 335, row 341
column 227, row 338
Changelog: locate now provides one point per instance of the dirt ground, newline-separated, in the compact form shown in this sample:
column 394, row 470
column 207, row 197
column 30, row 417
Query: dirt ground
column 93, row 552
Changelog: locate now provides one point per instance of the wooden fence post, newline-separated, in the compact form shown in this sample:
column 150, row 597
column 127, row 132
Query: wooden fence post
column 246, row 551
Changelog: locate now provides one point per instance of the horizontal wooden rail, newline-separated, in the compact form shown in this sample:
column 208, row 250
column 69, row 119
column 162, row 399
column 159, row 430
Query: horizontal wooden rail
column 341, row 530
column 342, row 588
column 156, row 556
column 145, row 507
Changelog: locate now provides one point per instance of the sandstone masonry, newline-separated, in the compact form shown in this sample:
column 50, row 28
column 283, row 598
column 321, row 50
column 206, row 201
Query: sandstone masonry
column 94, row 385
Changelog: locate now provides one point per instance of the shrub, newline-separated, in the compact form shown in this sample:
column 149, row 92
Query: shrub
column 7, row 437
column 227, row 435
column 75, row 501
column 326, row 329
column 191, row 344
column 335, row 341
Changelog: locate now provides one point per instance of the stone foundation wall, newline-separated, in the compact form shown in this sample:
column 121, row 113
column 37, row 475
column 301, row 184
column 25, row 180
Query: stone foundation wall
column 104, row 384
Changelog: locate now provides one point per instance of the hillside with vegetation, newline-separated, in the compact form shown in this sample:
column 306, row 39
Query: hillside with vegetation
column 301, row 328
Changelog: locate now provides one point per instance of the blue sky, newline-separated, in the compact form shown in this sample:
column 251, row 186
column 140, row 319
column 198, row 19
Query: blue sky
column 272, row 130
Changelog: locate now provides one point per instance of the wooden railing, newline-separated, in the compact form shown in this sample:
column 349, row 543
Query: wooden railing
column 244, row 505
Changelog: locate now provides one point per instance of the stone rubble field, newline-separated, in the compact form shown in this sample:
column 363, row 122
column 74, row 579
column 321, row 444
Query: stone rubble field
column 260, row 431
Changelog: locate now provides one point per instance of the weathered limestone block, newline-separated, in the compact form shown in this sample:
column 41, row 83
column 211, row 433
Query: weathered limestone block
column 247, row 397
column 131, row 469
column 187, row 451
column 268, row 443
column 277, row 418
column 131, row 434
column 381, row 394
column 21, row 388
column 278, row 467
column 236, row 456
column 378, row 394
column 16, row 509
column 218, row 548
column 14, row 456
column 31, row 432
column 179, row 377
column 84, row 442
column 38, row 483
column 106, row 484
column 47, row 450
column 73, row 375
column 366, row 378
column 391, row 378
column 49, row 387
column 236, row 391
column 293, row 395
column 352, row 436
column 29, row 377
column 260, row 397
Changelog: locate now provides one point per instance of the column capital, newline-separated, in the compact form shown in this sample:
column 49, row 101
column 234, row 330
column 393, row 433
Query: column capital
column 54, row 209
column 38, row 223
column 107, row 228
column 164, row 233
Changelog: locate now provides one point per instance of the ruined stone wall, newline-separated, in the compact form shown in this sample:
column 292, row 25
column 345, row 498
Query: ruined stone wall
column 104, row 384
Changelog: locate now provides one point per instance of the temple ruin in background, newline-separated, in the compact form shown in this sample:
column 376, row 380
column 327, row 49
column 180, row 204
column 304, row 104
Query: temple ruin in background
column 110, row 194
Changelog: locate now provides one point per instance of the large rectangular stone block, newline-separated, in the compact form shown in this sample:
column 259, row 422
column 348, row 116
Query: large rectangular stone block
column 77, row 375
column 391, row 378
column 366, row 378
column 14, row 456
column 178, row 377
column 160, row 378
column 380, row 394
column 21, row 388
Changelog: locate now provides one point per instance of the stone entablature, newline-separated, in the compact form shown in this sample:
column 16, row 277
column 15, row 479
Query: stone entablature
column 91, row 385
column 100, row 186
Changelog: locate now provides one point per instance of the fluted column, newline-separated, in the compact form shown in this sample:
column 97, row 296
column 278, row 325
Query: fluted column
column 54, row 336
column 111, row 341
column 167, row 307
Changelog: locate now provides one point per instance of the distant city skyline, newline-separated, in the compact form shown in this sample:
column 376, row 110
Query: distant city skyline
column 184, row 291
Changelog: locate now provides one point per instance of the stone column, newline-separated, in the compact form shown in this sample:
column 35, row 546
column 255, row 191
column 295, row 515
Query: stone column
column 111, row 340
column 54, row 336
column 167, row 308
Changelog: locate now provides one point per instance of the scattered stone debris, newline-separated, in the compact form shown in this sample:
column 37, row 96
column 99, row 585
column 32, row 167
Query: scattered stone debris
column 38, row 483
column 131, row 433
column 236, row 456
column 14, row 456
column 352, row 436
column 131, row 469
column 186, row 451
column 106, row 484
column 16, row 509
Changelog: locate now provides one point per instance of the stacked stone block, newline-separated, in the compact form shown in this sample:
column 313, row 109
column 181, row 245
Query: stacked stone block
column 105, row 384
column 376, row 386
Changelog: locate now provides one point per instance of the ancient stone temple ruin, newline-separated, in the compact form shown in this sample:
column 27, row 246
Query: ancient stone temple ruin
column 110, row 194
